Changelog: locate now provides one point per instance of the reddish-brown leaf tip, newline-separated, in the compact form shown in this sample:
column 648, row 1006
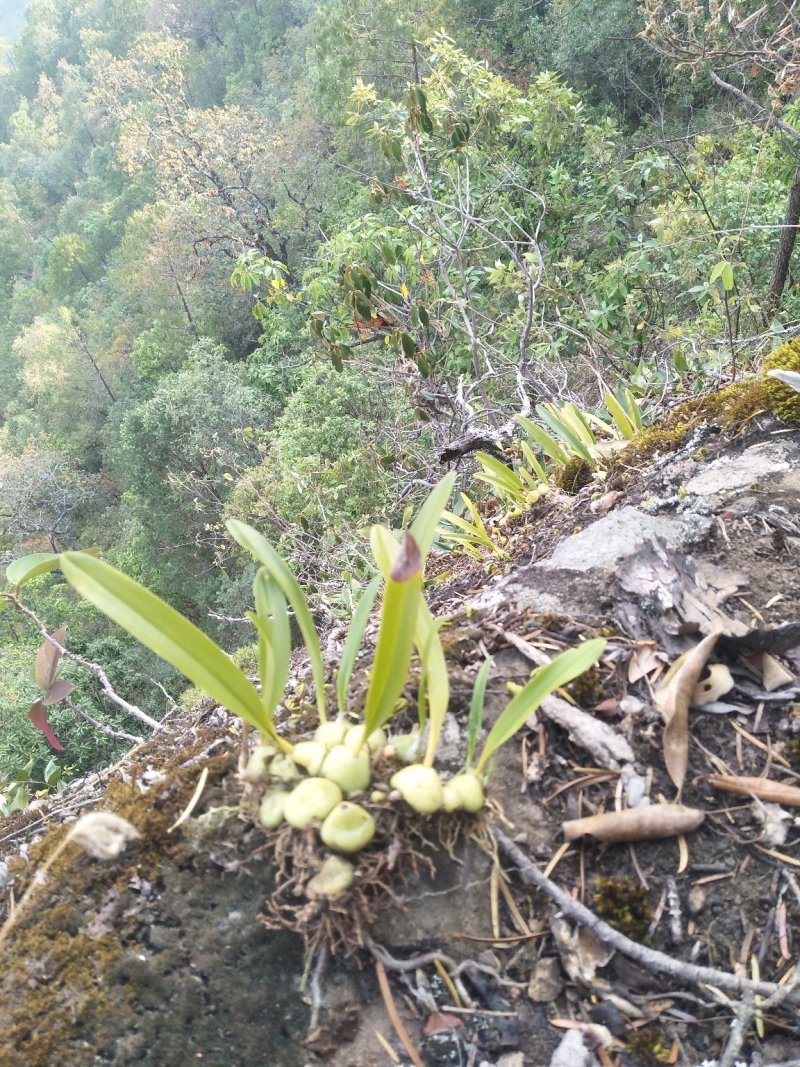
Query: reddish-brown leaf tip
column 407, row 562
column 38, row 717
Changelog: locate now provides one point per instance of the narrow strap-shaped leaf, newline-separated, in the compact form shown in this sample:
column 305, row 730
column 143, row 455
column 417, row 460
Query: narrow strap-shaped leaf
column 477, row 518
column 619, row 415
column 562, row 430
column 533, row 462
column 576, row 419
column 627, row 400
column 543, row 682
column 471, row 531
column 528, row 478
column 476, row 705
column 267, row 670
column 260, row 548
column 505, row 475
column 395, row 633
column 355, row 636
column 274, row 659
column 423, row 528
column 385, row 549
column 25, row 568
column 166, row 632
column 542, row 438
column 437, row 682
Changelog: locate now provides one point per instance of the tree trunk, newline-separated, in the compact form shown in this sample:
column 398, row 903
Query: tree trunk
column 783, row 256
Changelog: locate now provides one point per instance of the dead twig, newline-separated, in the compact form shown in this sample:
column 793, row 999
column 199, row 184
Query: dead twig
column 397, row 1022
column 649, row 957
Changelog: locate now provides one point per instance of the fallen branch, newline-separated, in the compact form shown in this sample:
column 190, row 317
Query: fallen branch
column 101, row 727
column 650, row 958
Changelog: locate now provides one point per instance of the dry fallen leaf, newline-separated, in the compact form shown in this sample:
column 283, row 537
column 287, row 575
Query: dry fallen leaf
column 645, row 660
column 763, row 788
column 441, row 1021
column 606, row 502
column 774, row 674
column 636, row 824
column 673, row 698
column 581, row 953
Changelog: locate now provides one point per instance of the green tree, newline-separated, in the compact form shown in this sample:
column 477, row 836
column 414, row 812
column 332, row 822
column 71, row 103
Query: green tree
column 176, row 455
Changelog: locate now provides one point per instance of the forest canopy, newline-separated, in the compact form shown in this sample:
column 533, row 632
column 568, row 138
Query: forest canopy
column 271, row 261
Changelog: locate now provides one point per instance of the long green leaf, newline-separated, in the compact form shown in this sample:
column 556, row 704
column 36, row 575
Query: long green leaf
column 628, row 401
column 437, row 685
column 355, row 636
column 471, row 531
column 506, row 480
column 260, row 548
column 576, row 420
column 26, row 567
column 477, row 518
column 395, row 633
column 619, row 415
column 543, row 682
column 167, row 633
column 540, row 437
column 266, row 670
column 275, row 644
column 437, row 682
column 475, row 720
column 533, row 462
column 423, row 528
column 552, row 417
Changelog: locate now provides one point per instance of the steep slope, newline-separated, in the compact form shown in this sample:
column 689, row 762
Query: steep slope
column 172, row 953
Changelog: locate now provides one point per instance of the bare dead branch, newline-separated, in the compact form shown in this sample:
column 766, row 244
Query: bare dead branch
column 650, row 958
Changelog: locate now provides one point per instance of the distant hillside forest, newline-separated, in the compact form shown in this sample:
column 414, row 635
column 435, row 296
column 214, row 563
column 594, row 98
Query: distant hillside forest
column 272, row 260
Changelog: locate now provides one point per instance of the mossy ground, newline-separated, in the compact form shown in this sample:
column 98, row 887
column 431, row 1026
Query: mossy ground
column 64, row 957
column 731, row 409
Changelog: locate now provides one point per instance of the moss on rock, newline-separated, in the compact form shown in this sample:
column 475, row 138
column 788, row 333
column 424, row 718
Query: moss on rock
column 783, row 400
column 731, row 409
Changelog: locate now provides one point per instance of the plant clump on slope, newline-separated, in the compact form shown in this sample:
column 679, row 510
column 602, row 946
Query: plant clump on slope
column 338, row 784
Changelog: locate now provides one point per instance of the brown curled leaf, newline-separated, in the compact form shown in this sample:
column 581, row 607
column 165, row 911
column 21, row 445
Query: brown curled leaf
column 58, row 691
column 48, row 659
column 636, row 824
column 673, row 698
column 407, row 561
column 762, row 788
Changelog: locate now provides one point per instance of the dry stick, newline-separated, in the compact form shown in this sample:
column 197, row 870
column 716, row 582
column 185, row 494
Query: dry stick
column 649, row 957
column 101, row 726
column 397, row 1022
column 95, row 668
column 738, row 1031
